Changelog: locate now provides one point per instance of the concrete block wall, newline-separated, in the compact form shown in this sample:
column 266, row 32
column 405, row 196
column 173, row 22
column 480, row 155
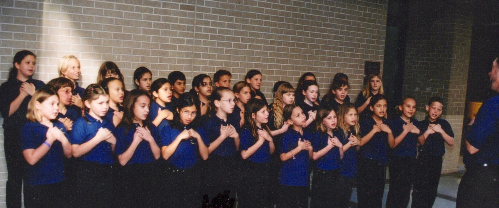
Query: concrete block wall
column 283, row 39
column 437, row 62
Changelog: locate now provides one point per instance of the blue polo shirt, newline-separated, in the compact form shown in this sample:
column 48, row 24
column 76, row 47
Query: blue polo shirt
column 484, row 134
column 306, row 108
column 377, row 147
column 332, row 159
column 262, row 154
column 9, row 91
column 110, row 113
column 50, row 168
column 348, row 167
column 143, row 153
column 237, row 112
column 435, row 144
column 187, row 153
column 294, row 172
column 79, row 90
column 84, row 129
column 212, row 128
column 408, row 146
column 153, row 113
column 72, row 112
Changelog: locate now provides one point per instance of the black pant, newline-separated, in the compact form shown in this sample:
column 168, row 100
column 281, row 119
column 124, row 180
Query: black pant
column 93, row 184
column 371, row 183
column 293, row 196
column 222, row 173
column 50, row 195
column 399, row 192
column 255, row 185
column 344, row 193
column 180, row 187
column 426, row 178
column 15, row 166
column 137, row 186
column 479, row 187
column 325, row 188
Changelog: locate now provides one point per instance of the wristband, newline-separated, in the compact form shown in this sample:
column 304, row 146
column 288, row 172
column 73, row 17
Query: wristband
column 46, row 143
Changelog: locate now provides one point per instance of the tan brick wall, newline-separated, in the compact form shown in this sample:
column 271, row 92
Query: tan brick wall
column 282, row 39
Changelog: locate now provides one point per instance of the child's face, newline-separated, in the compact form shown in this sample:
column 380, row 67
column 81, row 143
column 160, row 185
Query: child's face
column 73, row 70
column 27, row 66
column 141, row 108
column 379, row 108
column 49, row 108
column 244, row 96
column 65, row 95
column 288, row 98
column 99, row 106
column 224, row 81
column 340, row 93
column 408, row 108
column 261, row 116
column 255, row 82
column 226, row 103
column 179, row 87
column 187, row 114
column 164, row 94
column 144, row 82
column 434, row 111
column 375, row 84
column 311, row 93
column 298, row 118
column 351, row 117
column 205, row 88
column 116, row 92
column 330, row 120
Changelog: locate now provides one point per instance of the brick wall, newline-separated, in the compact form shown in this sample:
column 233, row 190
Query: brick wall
column 437, row 62
column 282, row 39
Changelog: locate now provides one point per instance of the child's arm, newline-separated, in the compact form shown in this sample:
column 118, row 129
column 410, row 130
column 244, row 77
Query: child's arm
column 245, row 154
column 152, row 143
column 323, row 151
column 167, row 151
column 426, row 134
column 127, row 155
column 391, row 140
column 102, row 135
column 282, row 130
column 203, row 150
column 448, row 139
column 311, row 118
column 224, row 133
column 369, row 135
column 288, row 155
column 233, row 133
column 364, row 105
column 25, row 90
column 32, row 156
column 162, row 114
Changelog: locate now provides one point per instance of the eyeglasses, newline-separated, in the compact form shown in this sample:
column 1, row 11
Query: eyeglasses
column 189, row 113
column 230, row 101
column 204, row 84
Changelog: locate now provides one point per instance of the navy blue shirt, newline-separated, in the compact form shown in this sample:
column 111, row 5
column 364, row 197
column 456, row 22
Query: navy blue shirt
column 9, row 91
column 262, row 154
column 259, row 93
column 306, row 108
column 377, row 147
column 484, row 134
column 435, row 144
column 294, row 171
column 143, row 153
column 212, row 128
column 153, row 113
column 360, row 101
column 187, row 153
column 85, row 129
column 237, row 112
column 79, row 90
column 348, row 167
column 332, row 159
column 72, row 112
column 408, row 146
column 110, row 113
column 50, row 168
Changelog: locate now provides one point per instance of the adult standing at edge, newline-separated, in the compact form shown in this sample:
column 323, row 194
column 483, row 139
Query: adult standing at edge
column 479, row 186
